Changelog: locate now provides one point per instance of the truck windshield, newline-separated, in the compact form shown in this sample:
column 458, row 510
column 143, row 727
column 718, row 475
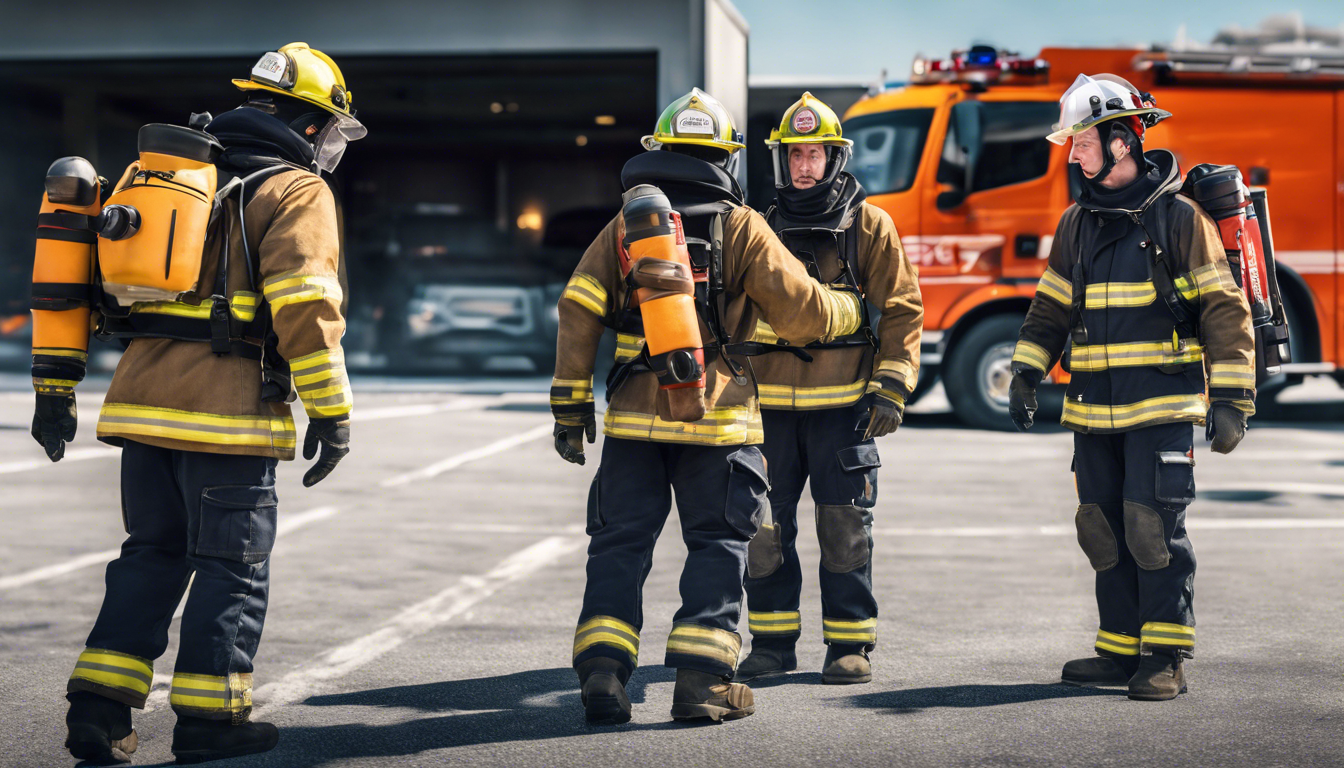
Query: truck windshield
column 887, row 147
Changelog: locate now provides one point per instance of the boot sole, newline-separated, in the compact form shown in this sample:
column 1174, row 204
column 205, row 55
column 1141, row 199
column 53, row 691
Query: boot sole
column 780, row 672
column 190, row 757
column 846, row 679
column 710, row 711
column 1094, row 683
column 606, row 710
column 92, row 745
column 1157, row 696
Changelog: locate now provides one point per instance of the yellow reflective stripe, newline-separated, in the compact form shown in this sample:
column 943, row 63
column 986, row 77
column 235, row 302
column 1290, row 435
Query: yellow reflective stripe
column 1158, row 633
column 1100, row 357
column 290, row 288
column 629, row 346
column 887, row 394
column 587, row 292
column 571, row 391
column 115, row 670
column 1103, row 295
column 1179, row 629
column 811, row 397
column 1032, row 354
column 849, row 630
column 717, row 644
column 77, row 354
column 1120, row 644
column 740, row 425
column 1120, row 416
column 846, row 313
column 767, row 622
column 322, row 383
column 1187, row 288
column 1055, row 286
column 54, row 386
column 764, row 333
column 211, row 692
column 118, row 419
column 1238, row 375
column 606, row 630
column 242, row 305
column 902, row 369
column 1210, row 276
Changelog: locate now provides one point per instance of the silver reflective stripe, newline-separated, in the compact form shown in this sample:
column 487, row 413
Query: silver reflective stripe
column 189, row 425
column 1175, row 457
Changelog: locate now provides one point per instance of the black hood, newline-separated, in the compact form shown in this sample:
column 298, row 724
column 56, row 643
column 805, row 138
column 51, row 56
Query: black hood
column 829, row 206
column 252, row 137
column 688, row 182
column 1162, row 176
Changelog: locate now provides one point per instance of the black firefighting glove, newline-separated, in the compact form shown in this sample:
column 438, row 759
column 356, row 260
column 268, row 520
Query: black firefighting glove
column 1022, row 398
column 334, row 436
column 884, row 416
column 1225, row 426
column 569, row 439
column 54, row 422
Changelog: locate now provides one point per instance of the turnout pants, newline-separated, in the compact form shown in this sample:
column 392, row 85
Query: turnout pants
column 721, row 499
column 1133, row 488
column 828, row 447
column 185, row 513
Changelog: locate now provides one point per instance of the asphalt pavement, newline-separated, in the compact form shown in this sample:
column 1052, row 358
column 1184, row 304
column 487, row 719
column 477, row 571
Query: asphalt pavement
column 424, row 599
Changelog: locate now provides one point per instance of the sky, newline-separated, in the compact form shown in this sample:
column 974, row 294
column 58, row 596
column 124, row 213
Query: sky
column 856, row 39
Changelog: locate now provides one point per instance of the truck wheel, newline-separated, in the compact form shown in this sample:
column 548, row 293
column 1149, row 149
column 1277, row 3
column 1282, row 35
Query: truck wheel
column 979, row 369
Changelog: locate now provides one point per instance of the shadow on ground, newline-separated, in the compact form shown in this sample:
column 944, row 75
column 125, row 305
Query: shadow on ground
column 972, row 696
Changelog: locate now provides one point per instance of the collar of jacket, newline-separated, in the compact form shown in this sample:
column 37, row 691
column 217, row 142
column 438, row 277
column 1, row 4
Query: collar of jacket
column 830, row 207
column 248, row 134
column 688, row 182
column 1163, row 178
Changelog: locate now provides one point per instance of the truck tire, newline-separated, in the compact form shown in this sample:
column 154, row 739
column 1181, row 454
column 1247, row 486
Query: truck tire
column 978, row 370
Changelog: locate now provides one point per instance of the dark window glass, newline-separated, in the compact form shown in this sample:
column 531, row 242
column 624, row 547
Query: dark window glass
column 887, row 147
column 1011, row 149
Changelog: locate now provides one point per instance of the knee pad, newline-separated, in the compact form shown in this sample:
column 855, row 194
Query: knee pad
column 844, row 533
column 765, row 553
column 1096, row 537
column 1146, row 536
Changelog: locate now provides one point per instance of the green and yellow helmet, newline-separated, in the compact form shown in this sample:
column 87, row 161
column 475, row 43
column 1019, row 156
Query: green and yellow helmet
column 696, row 118
column 809, row 121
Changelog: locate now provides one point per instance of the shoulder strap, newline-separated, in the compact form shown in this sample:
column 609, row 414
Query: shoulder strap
column 1165, row 269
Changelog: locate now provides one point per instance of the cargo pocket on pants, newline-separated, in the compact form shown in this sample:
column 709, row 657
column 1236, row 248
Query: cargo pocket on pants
column 594, row 505
column 1175, row 486
column 237, row 522
column 860, row 463
column 747, row 502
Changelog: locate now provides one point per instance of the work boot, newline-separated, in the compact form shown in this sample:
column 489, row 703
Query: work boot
column 196, row 739
column 846, row 665
column 700, row 695
column 100, row 729
column 1160, row 678
column 766, row 660
column 602, row 682
column 1100, row 670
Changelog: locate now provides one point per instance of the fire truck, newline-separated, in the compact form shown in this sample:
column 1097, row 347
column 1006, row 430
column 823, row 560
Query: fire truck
column 959, row 159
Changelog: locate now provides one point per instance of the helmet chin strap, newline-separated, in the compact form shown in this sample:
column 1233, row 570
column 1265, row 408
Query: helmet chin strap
column 1122, row 132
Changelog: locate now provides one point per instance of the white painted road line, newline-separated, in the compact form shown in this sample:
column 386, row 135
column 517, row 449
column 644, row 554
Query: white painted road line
column 425, row 409
column 475, row 454
column 71, row 454
column 1193, row 523
column 414, row 621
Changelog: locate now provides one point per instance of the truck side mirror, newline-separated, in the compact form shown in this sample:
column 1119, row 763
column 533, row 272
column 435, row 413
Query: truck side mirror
column 950, row 199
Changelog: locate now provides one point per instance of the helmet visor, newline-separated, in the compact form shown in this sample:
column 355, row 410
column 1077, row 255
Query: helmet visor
column 332, row 141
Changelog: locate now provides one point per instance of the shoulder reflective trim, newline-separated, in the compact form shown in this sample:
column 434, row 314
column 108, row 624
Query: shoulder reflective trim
column 607, row 630
column 212, row 695
column 775, row 622
column 708, row 642
column 764, row 334
column 1158, row 633
column 121, row 671
column 1104, row 295
column 77, row 354
column 321, row 382
column 243, row 306
column 1123, row 645
column 290, row 288
column 54, row 386
column 587, row 292
column 1032, row 354
column 846, row 313
column 1100, row 357
column 1238, row 375
column 849, row 630
column 740, row 425
column 805, row 398
column 571, row 391
column 629, row 347
column 1169, row 408
column 121, row 420
column 1055, row 287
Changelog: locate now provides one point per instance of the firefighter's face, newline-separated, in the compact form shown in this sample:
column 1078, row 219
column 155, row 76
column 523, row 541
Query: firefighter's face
column 1086, row 152
column 807, row 164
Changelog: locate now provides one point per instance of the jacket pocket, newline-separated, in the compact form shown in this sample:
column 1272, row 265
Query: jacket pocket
column 1175, row 485
column 748, row 488
column 595, row 504
column 237, row 522
column 859, row 463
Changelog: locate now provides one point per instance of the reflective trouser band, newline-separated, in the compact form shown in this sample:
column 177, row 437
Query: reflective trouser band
column 132, row 421
column 609, row 633
column 118, row 676
column 704, row 648
column 212, row 696
column 1123, row 645
column 776, row 623
column 1157, row 634
column 803, row 398
column 849, row 630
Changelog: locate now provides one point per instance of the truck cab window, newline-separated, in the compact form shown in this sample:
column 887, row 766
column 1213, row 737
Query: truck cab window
column 887, row 148
column 1011, row 146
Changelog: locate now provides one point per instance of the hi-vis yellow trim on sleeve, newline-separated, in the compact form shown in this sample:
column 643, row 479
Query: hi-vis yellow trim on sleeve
column 764, row 333
column 1238, row 375
column 290, row 288
column 1101, row 357
column 322, row 383
column 212, row 696
column 717, row 645
column 846, row 313
column 1032, row 354
column 242, row 305
column 609, row 631
column 587, row 292
column 629, row 347
column 775, row 622
column 740, row 425
column 1158, row 633
column 1173, row 408
column 1056, row 287
column 810, row 398
column 128, row 675
column 131, row 421
column 1212, row 277
column 571, row 391
column 1109, row 295
column 54, row 386
column 898, row 369
column 1113, row 643
column 849, row 630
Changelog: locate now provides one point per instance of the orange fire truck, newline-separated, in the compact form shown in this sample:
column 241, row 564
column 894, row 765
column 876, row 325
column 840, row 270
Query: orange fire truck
column 959, row 159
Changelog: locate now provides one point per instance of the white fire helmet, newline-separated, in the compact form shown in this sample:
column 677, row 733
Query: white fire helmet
column 1091, row 101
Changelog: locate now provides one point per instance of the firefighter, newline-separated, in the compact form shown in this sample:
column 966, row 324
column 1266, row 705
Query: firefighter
column 202, row 431
column 824, row 404
column 1139, row 283
column 712, row 466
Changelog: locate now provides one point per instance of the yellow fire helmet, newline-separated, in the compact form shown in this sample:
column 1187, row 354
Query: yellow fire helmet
column 310, row 75
column 809, row 121
column 696, row 118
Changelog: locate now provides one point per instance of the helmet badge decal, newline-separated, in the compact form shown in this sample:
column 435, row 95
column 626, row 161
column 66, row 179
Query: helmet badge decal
column 270, row 68
column 805, row 121
column 694, row 122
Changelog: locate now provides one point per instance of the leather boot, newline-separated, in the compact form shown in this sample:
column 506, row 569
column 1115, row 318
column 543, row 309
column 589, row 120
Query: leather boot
column 1101, row 670
column 846, row 665
column 767, row 659
column 702, row 695
column 602, row 682
column 196, row 739
column 1161, row 677
column 100, row 730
